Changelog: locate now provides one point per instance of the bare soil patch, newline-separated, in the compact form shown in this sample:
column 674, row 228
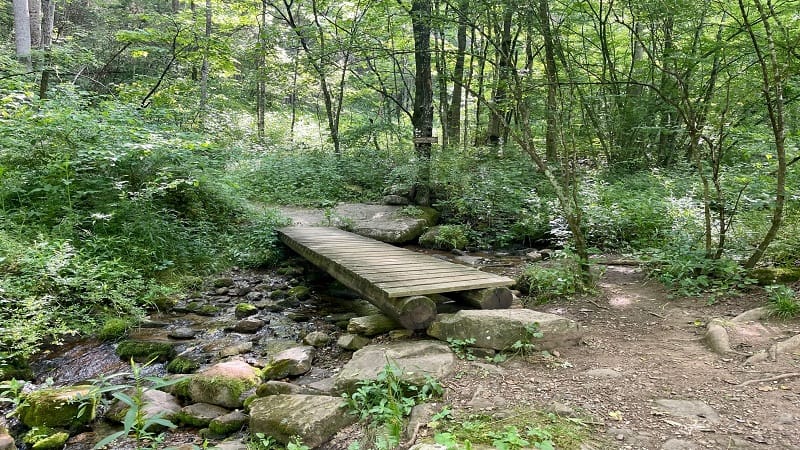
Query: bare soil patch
column 645, row 379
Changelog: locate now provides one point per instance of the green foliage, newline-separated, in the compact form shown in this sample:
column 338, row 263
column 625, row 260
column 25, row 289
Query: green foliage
column 557, row 277
column 135, row 423
column 261, row 441
column 633, row 211
column 783, row 302
column 452, row 236
column 312, row 177
column 11, row 393
column 462, row 348
column 492, row 194
column 102, row 212
column 385, row 401
column 524, row 429
column 527, row 345
column 690, row 273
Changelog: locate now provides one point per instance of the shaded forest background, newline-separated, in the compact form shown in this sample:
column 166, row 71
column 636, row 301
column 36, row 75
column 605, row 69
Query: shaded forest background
column 142, row 142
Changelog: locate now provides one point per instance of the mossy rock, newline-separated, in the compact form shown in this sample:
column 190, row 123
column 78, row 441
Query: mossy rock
column 114, row 328
column 223, row 384
column 182, row 365
column 245, row 310
column 228, row 424
column 765, row 276
column 290, row 270
column 141, row 351
column 44, row 438
column 223, row 282
column 207, row 310
column 299, row 292
column 67, row 407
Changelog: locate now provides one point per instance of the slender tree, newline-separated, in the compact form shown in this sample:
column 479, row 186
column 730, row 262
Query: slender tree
column 22, row 32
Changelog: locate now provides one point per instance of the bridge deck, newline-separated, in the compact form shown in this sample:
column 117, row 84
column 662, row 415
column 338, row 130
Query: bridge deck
column 378, row 269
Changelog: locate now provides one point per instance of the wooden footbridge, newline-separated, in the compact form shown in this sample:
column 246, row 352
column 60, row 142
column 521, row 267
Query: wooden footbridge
column 403, row 284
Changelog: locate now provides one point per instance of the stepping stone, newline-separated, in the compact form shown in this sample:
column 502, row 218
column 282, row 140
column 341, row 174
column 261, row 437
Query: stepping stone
column 693, row 409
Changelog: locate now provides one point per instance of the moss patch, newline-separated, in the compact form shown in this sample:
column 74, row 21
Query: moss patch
column 299, row 292
column 182, row 365
column 245, row 310
column 68, row 407
column 114, row 328
column 144, row 352
column 771, row 275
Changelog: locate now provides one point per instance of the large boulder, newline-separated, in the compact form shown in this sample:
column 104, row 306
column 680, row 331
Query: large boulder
column 499, row 329
column 223, row 384
column 64, row 407
column 416, row 360
column 291, row 362
column 154, row 403
column 314, row 419
column 389, row 223
column 392, row 224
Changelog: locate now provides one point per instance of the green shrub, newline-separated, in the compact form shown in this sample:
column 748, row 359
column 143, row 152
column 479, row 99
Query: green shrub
column 452, row 237
column 689, row 273
column 559, row 277
column 783, row 302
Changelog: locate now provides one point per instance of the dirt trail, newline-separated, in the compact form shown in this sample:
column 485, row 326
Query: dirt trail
column 645, row 376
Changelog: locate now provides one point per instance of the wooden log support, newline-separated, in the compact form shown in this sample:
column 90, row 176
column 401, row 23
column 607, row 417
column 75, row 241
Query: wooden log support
column 490, row 298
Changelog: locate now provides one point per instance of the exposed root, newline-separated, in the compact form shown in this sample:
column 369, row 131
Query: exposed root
column 770, row 379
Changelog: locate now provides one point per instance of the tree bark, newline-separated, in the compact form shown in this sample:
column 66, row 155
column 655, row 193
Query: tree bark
column 422, row 117
column 35, row 11
column 204, row 68
column 454, row 110
column 22, row 32
column 497, row 122
column 48, row 18
column 772, row 82
column 551, row 133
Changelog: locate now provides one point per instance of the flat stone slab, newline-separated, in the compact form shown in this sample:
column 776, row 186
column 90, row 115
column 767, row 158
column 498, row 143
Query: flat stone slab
column 499, row 329
column 693, row 409
column 416, row 360
column 314, row 419
column 381, row 222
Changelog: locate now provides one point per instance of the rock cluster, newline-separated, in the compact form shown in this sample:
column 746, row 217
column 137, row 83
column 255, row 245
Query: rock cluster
column 251, row 353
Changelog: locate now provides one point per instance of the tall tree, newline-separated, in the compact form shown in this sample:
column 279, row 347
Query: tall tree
column 22, row 32
column 206, row 56
column 35, row 10
column 422, row 117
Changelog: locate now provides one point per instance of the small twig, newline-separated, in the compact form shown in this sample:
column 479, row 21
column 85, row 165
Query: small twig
column 595, row 304
column 657, row 315
column 766, row 380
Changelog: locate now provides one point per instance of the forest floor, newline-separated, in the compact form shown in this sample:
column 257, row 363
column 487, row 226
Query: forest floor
column 643, row 379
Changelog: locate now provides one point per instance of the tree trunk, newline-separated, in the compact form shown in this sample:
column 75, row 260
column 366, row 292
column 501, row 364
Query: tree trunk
column 551, row 133
column 261, row 86
column 204, row 68
column 35, row 10
column 497, row 122
column 22, row 32
column 48, row 18
column 422, row 117
column 454, row 110
column 772, row 82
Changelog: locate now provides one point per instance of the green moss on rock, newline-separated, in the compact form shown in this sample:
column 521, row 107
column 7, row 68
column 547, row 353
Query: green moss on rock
column 67, row 407
column 52, row 442
column 771, row 275
column 299, row 292
column 141, row 351
column 182, row 365
column 114, row 328
column 245, row 310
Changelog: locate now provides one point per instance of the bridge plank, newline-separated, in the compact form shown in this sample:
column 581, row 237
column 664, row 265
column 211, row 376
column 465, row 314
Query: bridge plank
column 392, row 278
